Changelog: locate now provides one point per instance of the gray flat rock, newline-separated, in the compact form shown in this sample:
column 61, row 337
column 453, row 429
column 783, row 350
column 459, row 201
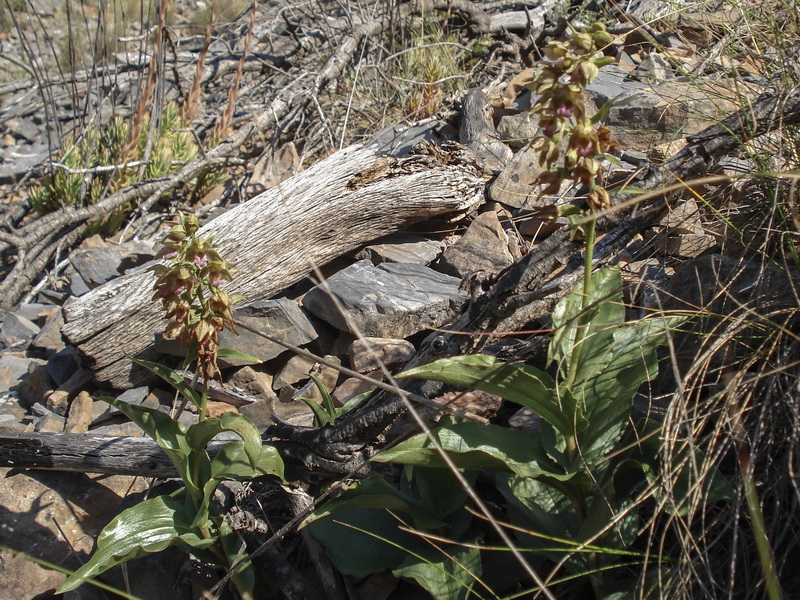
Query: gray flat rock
column 368, row 354
column 98, row 265
column 17, row 332
column 402, row 248
column 281, row 318
column 482, row 249
column 13, row 369
column 390, row 300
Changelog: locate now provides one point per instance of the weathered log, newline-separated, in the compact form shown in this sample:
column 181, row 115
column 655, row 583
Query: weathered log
column 275, row 239
column 85, row 453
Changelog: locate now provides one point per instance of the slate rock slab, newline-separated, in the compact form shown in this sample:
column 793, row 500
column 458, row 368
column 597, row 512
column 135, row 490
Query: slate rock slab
column 98, row 265
column 482, row 249
column 402, row 247
column 391, row 300
column 281, row 318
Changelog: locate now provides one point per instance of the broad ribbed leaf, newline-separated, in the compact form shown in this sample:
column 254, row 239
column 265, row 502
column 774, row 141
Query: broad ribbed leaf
column 377, row 493
column 604, row 312
column 477, row 446
column 522, row 384
column 199, row 434
column 170, row 435
column 232, row 462
column 448, row 576
column 148, row 527
column 174, row 379
column 606, row 387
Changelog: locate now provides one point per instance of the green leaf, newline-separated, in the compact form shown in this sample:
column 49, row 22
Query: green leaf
column 321, row 417
column 365, row 541
column 230, row 353
column 174, row 379
column 199, row 434
column 628, row 189
column 352, row 404
column 448, row 575
column 543, row 510
column 327, row 401
column 439, row 490
column 170, row 435
column 148, row 527
column 477, row 446
column 522, row 384
column 377, row 493
column 245, row 577
column 604, row 312
column 601, row 114
column 233, row 462
column 606, row 386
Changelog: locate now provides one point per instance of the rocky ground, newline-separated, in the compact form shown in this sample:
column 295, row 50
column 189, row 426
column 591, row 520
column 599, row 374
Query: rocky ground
column 382, row 299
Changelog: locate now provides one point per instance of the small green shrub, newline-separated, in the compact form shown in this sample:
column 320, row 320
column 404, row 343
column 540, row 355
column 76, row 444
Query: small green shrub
column 94, row 166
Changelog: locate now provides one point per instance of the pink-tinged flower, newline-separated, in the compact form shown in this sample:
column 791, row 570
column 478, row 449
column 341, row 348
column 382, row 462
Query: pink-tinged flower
column 585, row 151
column 215, row 280
column 201, row 260
column 171, row 254
column 564, row 111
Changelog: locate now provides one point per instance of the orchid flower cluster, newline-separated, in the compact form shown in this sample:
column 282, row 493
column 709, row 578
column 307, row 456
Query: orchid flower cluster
column 188, row 287
column 568, row 68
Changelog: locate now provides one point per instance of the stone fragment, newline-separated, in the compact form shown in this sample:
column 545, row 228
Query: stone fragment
column 13, row 369
column 36, row 386
column 17, row 332
column 684, row 218
column 391, row 300
column 294, row 371
column 49, row 339
column 256, row 384
column 397, row 140
column 96, row 266
column 58, row 402
column 80, row 414
column 402, row 248
column 260, row 412
column 352, row 387
column 47, row 419
column 134, row 396
column 518, row 130
column 482, row 249
column 35, row 312
column 63, row 365
column 77, row 286
column 526, row 420
column 611, row 82
column 124, row 429
column 670, row 110
column 216, row 409
column 367, row 354
column 654, row 69
column 688, row 245
column 514, row 185
column 58, row 514
column 281, row 318
column 12, row 413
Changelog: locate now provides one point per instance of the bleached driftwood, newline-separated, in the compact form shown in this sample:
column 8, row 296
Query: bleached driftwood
column 273, row 241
